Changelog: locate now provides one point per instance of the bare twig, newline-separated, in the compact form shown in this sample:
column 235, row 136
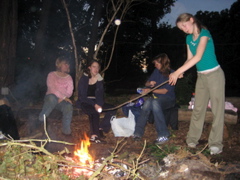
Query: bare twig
column 99, row 170
column 201, row 150
column 45, row 127
column 128, row 164
column 80, row 167
column 159, row 147
column 77, row 65
column 105, row 31
column 117, row 151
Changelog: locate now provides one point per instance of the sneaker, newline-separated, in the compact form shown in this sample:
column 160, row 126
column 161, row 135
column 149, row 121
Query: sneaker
column 192, row 145
column 101, row 134
column 136, row 138
column 214, row 150
column 161, row 140
column 96, row 140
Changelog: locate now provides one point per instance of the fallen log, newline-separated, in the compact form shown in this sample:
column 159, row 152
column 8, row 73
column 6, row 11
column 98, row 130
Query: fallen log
column 230, row 117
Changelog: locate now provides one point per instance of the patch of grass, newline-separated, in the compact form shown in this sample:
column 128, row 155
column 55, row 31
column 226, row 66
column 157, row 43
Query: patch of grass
column 159, row 152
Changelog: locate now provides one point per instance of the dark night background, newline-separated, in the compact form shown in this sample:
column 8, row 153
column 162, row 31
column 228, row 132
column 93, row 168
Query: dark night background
column 34, row 33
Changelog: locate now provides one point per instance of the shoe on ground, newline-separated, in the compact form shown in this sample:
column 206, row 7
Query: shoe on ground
column 101, row 134
column 97, row 140
column 192, row 145
column 161, row 140
column 136, row 138
column 214, row 150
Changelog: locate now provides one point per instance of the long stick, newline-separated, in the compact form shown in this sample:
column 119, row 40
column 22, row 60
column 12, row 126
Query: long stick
column 110, row 109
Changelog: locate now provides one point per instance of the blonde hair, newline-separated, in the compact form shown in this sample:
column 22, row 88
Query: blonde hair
column 186, row 17
column 60, row 61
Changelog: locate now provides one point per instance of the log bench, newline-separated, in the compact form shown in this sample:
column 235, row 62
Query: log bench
column 230, row 117
column 184, row 114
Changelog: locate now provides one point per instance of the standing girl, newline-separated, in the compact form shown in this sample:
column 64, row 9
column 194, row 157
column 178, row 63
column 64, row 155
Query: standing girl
column 91, row 101
column 210, row 82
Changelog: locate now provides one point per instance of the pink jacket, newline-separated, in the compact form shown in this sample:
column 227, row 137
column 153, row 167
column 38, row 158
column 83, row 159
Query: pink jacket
column 60, row 86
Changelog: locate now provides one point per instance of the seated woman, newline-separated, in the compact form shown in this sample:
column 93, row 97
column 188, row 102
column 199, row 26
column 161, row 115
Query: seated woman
column 163, row 98
column 91, row 101
column 59, row 90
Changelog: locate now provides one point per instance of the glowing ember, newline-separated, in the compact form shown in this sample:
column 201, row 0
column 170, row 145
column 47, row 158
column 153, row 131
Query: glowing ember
column 82, row 154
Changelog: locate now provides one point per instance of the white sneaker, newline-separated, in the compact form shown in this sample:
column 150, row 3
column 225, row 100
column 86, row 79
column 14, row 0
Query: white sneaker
column 161, row 140
column 214, row 150
column 192, row 145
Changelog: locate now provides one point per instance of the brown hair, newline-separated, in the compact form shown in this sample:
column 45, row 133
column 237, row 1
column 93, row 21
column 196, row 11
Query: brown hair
column 186, row 17
column 165, row 62
column 87, row 70
column 60, row 61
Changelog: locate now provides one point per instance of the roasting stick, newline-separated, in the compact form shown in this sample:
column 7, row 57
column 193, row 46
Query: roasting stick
column 116, row 107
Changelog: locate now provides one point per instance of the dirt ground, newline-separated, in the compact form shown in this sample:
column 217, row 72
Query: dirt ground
column 203, row 166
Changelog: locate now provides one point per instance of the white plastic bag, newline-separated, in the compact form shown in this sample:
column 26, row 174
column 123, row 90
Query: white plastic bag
column 123, row 127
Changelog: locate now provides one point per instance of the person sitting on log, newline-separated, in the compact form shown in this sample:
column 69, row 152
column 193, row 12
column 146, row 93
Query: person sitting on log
column 91, row 101
column 163, row 98
column 59, row 90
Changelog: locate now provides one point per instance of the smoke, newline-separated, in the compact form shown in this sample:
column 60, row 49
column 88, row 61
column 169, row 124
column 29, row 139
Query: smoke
column 30, row 84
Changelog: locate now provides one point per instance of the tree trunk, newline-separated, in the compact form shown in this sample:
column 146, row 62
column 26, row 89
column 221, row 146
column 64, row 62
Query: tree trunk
column 39, row 58
column 94, row 31
column 8, row 38
column 40, row 38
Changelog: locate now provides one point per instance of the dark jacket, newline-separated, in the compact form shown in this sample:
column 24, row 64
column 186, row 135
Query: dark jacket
column 83, row 88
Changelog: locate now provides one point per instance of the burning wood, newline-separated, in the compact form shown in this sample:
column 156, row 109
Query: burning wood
column 83, row 158
column 107, row 167
column 82, row 155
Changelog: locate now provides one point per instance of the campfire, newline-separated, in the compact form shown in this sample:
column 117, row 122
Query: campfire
column 86, row 166
column 82, row 154
column 83, row 158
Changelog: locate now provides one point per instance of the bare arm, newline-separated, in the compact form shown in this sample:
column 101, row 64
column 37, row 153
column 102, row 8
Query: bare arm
column 192, row 60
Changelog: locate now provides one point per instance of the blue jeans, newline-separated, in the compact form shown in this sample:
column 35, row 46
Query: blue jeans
column 50, row 103
column 157, row 106
column 135, row 110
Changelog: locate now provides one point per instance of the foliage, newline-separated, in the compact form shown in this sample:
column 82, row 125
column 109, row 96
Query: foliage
column 26, row 160
column 184, row 89
column 89, row 22
column 159, row 152
column 141, row 30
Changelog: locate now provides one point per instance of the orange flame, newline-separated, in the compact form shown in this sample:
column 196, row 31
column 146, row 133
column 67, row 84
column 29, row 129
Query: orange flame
column 82, row 153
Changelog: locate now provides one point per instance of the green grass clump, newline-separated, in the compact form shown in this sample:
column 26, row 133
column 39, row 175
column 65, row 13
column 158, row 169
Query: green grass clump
column 159, row 152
